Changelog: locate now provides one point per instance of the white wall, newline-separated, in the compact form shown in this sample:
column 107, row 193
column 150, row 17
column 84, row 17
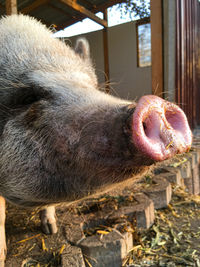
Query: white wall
column 127, row 80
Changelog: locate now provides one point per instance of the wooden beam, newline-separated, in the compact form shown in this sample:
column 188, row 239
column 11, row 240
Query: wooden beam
column 11, row 7
column 157, row 48
column 89, row 4
column 82, row 10
column 33, row 6
column 108, row 4
column 93, row 9
column 59, row 9
column 69, row 22
column 106, row 54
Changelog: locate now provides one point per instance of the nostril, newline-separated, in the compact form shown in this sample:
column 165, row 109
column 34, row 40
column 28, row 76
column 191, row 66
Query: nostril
column 144, row 127
column 147, row 126
column 151, row 125
column 175, row 119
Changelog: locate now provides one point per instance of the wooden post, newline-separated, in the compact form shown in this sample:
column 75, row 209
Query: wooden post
column 106, row 57
column 11, row 7
column 157, row 48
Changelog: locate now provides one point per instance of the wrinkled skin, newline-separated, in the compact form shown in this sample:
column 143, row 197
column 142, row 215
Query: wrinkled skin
column 60, row 137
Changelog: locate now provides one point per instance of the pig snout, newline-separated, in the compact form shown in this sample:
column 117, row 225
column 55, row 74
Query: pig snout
column 160, row 128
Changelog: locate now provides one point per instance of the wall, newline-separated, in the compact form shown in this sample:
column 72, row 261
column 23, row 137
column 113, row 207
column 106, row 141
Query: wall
column 169, row 28
column 127, row 80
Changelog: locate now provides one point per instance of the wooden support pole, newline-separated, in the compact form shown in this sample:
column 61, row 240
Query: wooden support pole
column 82, row 10
column 157, row 48
column 106, row 54
column 11, row 7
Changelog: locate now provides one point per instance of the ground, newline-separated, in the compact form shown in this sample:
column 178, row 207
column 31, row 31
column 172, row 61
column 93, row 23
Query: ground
column 173, row 240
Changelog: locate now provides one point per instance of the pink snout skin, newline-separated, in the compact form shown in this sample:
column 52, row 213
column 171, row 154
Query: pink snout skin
column 160, row 129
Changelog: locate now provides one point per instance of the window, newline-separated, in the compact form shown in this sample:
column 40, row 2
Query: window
column 143, row 30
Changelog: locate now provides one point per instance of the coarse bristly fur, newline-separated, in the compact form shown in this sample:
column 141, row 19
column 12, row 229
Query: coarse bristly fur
column 60, row 137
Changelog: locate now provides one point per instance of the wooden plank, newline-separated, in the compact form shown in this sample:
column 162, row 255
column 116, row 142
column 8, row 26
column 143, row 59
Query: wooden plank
column 88, row 3
column 93, row 9
column 69, row 22
column 11, row 7
column 108, row 4
column 82, row 10
column 59, row 9
column 157, row 47
column 187, row 59
column 33, row 6
column 196, row 34
column 106, row 54
column 178, row 53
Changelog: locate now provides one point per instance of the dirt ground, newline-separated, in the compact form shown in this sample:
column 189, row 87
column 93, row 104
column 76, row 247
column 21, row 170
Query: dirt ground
column 173, row 240
column 28, row 246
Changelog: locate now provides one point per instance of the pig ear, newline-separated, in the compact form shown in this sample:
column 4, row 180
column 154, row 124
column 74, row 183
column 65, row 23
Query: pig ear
column 82, row 48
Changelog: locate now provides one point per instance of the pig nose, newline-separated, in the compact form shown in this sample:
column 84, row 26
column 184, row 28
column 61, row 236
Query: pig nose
column 160, row 128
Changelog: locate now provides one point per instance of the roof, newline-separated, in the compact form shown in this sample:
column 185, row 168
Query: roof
column 62, row 13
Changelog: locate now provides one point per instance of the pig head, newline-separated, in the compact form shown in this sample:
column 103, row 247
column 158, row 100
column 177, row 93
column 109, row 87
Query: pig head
column 60, row 137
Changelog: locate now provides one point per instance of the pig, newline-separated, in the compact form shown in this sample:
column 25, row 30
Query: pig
column 61, row 138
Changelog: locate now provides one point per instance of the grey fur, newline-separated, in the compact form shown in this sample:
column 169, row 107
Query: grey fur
column 61, row 138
